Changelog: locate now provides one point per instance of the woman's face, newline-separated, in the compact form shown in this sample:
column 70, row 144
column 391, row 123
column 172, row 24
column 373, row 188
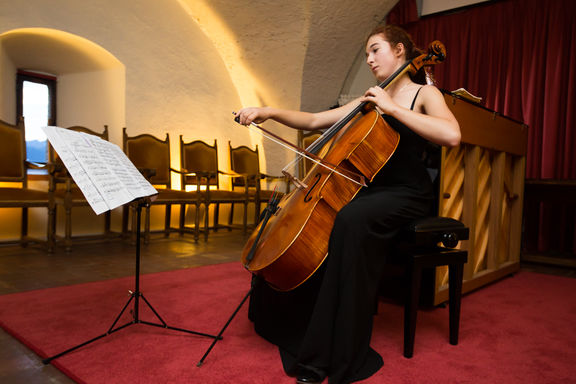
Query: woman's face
column 382, row 59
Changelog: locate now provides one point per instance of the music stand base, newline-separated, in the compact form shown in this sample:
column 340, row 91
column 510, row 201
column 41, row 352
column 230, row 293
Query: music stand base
column 136, row 296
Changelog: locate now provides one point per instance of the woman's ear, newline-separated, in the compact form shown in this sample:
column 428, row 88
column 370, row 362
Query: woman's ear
column 400, row 50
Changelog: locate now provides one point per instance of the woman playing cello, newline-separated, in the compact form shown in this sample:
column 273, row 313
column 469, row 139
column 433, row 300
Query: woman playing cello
column 323, row 327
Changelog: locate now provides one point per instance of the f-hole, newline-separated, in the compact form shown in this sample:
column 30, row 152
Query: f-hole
column 307, row 197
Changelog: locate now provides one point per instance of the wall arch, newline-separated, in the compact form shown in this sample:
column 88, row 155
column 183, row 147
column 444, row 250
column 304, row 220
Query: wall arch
column 91, row 81
column 90, row 91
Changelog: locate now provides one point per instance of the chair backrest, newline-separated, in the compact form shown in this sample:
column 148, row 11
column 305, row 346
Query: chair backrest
column 13, row 152
column 198, row 156
column 149, row 152
column 245, row 161
column 60, row 174
column 307, row 138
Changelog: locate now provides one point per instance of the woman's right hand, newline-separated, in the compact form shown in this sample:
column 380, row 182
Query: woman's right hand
column 258, row 115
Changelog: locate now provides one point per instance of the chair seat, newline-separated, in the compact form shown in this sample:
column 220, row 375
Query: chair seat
column 221, row 195
column 74, row 195
column 266, row 194
column 17, row 197
column 175, row 196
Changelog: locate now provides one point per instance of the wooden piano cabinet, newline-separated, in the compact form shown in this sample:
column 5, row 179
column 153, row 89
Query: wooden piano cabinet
column 482, row 185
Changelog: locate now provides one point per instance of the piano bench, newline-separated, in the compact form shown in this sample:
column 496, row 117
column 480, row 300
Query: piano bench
column 418, row 248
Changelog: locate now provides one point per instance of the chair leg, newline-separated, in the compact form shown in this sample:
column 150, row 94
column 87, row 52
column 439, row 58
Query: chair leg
column 206, row 220
column 68, row 229
column 24, row 228
column 182, row 222
column 231, row 216
column 107, row 223
column 216, row 216
column 256, row 212
column 197, row 223
column 245, row 219
column 146, row 224
column 456, row 272
column 411, row 308
column 51, row 230
column 167, row 219
column 125, row 215
column 133, row 226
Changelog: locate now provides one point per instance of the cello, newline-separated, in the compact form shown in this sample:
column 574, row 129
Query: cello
column 291, row 240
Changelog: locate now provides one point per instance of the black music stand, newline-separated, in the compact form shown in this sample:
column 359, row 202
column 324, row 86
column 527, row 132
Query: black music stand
column 136, row 296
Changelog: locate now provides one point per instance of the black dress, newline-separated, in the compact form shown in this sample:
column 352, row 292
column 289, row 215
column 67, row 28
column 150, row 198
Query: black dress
column 326, row 323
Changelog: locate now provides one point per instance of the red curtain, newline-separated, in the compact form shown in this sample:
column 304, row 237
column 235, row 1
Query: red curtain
column 520, row 57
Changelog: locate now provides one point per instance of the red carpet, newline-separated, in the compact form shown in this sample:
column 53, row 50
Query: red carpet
column 519, row 330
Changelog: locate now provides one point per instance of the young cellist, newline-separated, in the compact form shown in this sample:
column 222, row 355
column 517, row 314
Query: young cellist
column 323, row 327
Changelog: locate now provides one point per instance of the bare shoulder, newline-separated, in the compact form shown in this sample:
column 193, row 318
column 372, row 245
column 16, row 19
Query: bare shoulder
column 429, row 90
column 431, row 100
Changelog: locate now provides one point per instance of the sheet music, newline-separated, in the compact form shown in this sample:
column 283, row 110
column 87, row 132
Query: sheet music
column 120, row 165
column 104, row 174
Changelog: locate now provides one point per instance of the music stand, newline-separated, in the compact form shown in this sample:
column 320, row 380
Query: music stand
column 134, row 296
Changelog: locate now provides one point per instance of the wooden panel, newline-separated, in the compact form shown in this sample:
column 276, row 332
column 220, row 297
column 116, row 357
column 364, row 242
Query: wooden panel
column 482, row 183
column 488, row 129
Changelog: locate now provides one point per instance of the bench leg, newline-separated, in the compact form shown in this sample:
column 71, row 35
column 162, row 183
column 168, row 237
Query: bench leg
column 411, row 309
column 455, row 291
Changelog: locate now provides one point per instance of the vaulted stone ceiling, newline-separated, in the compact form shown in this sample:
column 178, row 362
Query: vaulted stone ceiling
column 312, row 40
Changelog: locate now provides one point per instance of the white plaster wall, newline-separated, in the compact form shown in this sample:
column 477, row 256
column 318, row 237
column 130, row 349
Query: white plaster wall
column 93, row 99
column 179, row 80
column 338, row 32
column 358, row 80
column 7, row 88
column 175, row 81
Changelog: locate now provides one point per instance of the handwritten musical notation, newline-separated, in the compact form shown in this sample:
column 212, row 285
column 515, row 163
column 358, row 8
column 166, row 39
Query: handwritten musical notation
column 104, row 174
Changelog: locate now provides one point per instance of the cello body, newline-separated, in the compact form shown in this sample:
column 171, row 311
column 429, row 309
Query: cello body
column 291, row 243
column 294, row 241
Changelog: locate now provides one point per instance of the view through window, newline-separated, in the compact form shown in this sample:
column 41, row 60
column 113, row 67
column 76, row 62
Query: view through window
column 36, row 93
column 35, row 108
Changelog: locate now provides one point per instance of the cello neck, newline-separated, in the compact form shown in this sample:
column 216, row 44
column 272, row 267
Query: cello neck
column 360, row 108
column 436, row 53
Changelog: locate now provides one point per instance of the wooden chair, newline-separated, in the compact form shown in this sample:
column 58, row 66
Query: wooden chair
column 246, row 163
column 304, row 141
column 68, row 195
column 199, row 161
column 152, row 157
column 13, row 169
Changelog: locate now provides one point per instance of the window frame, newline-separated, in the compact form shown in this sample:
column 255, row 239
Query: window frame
column 40, row 78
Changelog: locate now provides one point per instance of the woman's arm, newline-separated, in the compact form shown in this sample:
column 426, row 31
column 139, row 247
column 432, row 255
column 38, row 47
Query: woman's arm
column 431, row 117
column 295, row 119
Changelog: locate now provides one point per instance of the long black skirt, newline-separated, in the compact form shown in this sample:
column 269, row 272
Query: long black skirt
column 326, row 323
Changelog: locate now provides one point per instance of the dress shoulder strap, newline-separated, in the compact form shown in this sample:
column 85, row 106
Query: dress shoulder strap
column 415, row 96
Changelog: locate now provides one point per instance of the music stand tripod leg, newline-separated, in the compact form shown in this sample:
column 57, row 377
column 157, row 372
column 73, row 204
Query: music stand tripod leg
column 219, row 336
column 134, row 296
column 270, row 209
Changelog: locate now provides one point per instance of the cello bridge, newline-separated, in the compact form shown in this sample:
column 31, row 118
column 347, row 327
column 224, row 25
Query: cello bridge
column 294, row 180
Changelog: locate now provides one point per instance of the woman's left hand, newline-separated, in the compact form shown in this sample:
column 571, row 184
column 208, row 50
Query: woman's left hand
column 380, row 98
